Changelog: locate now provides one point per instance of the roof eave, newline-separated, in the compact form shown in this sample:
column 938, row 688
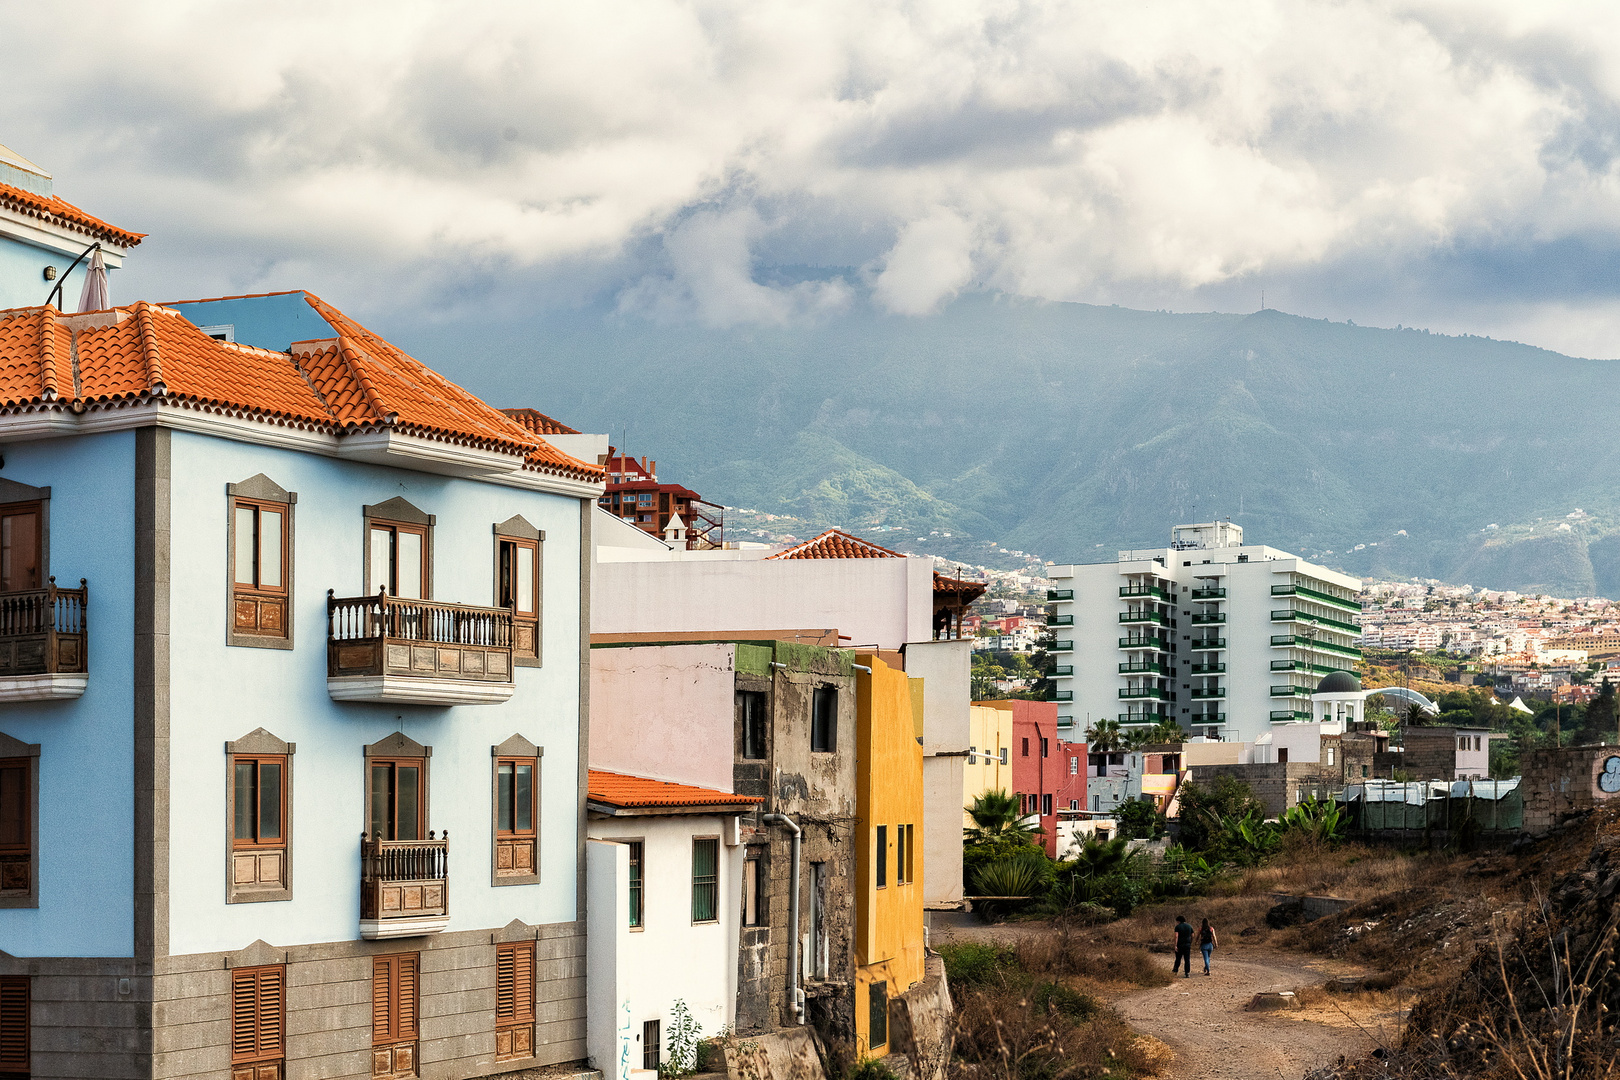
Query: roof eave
column 606, row 809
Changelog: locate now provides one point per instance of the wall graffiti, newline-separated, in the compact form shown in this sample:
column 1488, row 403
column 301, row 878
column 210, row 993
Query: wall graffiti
column 1608, row 781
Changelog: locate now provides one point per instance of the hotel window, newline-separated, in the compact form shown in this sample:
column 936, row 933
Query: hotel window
column 22, row 546
column 517, row 584
column 514, row 1001
column 877, row 1016
column 637, row 881
column 399, row 550
column 882, row 852
column 258, row 1020
column 705, row 880
column 395, row 995
column 396, row 798
column 651, row 1059
column 259, row 795
column 14, row 1025
column 516, row 812
column 259, row 538
column 824, row 720
column 751, row 715
column 753, row 897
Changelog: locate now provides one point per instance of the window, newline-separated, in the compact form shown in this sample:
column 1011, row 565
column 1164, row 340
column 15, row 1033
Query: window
column 751, row 714
column 904, row 852
column 394, row 997
column 14, row 1009
column 395, row 799
column 258, row 815
column 1282, row 755
column 1074, row 766
column 515, row 790
column 1046, row 806
column 1045, row 748
column 258, row 1018
column 517, row 584
column 650, row 1040
column 824, row 720
column 1364, row 772
column 753, row 898
column 1462, row 743
column 882, row 852
column 399, row 550
column 514, row 1001
column 259, row 543
column 16, row 827
column 1026, row 748
column 637, row 877
column 1330, row 755
column 877, row 1015
column 705, row 880
column 1074, row 804
column 20, row 547
column 818, row 920
column 1004, row 751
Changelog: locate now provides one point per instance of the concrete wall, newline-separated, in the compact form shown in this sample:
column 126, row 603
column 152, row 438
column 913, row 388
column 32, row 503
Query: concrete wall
column 881, row 602
column 1273, row 784
column 944, row 671
column 921, row 1025
column 1560, row 782
column 609, row 1030
column 665, row 711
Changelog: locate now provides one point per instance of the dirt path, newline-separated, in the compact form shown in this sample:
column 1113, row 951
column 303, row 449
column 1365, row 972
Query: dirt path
column 1204, row 1021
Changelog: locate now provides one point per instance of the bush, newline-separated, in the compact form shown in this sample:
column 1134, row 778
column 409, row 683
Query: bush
column 972, row 963
column 1139, row 821
column 870, row 1069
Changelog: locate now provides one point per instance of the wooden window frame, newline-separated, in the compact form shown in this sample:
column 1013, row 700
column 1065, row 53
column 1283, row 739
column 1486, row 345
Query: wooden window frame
column 517, row 531
column 11, row 988
column 16, row 753
column 719, row 875
column 827, row 743
column 37, row 507
column 515, row 1012
column 745, row 743
column 258, row 745
column 421, row 763
column 260, row 493
column 505, row 856
column 265, row 1051
column 394, row 1041
column 397, row 514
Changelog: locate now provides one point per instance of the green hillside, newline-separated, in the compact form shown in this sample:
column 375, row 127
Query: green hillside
column 1072, row 430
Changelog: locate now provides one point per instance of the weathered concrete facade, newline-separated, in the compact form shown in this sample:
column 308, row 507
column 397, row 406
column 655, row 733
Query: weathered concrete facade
column 1275, row 785
column 1559, row 783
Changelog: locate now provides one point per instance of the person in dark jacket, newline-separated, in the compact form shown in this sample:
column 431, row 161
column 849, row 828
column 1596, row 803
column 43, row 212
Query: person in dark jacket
column 1184, row 936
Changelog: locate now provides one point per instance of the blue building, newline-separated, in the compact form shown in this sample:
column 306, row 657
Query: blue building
column 41, row 236
column 292, row 705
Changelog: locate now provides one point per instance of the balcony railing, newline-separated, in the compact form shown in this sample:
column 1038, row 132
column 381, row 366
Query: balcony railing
column 1207, row 718
column 1061, row 670
column 1216, row 692
column 404, row 886
column 1322, row 597
column 384, row 648
column 1136, row 668
column 1141, row 642
column 1143, row 717
column 1209, row 643
column 1209, row 594
column 1320, row 620
column 1060, row 695
column 43, row 643
column 1060, row 620
column 1280, row 640
column 1144, row 617
column 1060, row 594
column 1141, row 590
column 1158, row 695
column 1300, row 665
column 1063, row 646
column 1208, row 669
column 1204, row 620
column 1284, row 715
column 1290, row 691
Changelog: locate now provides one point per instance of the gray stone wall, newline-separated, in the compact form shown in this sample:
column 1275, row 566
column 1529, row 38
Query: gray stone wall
column 1273, row 784
column 89, row 1017
column 1557, row 783
column 920, row 1024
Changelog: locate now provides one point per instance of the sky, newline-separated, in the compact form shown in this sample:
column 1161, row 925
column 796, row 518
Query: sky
column 1450, row 166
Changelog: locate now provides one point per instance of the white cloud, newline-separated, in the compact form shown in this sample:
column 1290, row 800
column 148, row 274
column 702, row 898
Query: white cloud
column 1147, row 152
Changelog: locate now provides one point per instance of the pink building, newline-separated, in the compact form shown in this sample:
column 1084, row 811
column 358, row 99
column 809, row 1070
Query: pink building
column 1048, row 772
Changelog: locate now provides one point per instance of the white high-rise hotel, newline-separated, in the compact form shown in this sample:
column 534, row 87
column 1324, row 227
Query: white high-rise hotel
column 1223, row 638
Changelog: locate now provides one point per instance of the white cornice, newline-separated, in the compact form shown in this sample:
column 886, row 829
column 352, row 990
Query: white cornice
column 62, row 239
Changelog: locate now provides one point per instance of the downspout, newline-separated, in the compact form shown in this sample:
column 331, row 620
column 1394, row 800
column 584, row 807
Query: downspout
column 795, row 994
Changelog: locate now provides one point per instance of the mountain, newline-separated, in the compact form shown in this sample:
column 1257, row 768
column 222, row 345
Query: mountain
column 1072, row 430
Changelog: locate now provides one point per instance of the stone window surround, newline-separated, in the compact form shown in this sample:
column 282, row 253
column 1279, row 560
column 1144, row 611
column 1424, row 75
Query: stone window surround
column 517, row 527
column 258, row 741
column 11, row 748
column 262, row 489
column 515, row 747
column 397, row 511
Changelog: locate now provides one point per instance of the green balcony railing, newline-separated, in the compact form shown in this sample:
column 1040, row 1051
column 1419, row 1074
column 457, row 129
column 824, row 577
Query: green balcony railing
column 1062, row 646
column 1290, row 691
column 1209, row 594
column 1322, row 597
column 1143, row 695
column 1143, row 717
column 1208, row 669
column 1060, row 594
column 1280, row 640
column 1320, row 620
column 1141, row 642
column 1300, row 665
column 1135, row 667
column 1061, row 670
column 1141, row 590
column 1209, row 643
column 1213, row 692
column 1286, row 715
column 1061, row 695
column 1204, row 620
column 1207, row 718
column 1060, row 620
column 1144, row 617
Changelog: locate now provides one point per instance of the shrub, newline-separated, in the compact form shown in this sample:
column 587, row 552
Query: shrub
column 1008, row 877
column 973, row 963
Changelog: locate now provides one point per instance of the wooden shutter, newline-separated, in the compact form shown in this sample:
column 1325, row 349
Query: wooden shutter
column 394, row 998
column 405, row 1008
column 14, row 1024
column 258, row 1013
column 514, row 983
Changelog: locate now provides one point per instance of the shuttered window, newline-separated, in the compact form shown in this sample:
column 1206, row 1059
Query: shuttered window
column 258, row 1013
column 16, row 826
column 14, row 1024
column 514, row 999
column 705, row 880
column 394, row 998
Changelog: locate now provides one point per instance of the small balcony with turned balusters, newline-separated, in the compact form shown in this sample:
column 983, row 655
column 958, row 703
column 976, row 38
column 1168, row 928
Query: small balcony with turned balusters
column 404, row 886
column 44, row 643
column 419, row 652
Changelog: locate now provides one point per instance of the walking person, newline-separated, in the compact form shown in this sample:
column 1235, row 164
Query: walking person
column 1184, row 936
column 1206, row 943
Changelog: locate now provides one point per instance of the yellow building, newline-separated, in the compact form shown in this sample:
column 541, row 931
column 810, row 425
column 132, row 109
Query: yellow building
column 888, row 847
column 989, row 763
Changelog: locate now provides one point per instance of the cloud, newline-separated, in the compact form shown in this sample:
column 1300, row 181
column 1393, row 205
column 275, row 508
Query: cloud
column 658, row 153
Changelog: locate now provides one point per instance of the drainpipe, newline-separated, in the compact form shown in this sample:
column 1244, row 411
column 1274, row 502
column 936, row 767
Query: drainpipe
column 795, row 994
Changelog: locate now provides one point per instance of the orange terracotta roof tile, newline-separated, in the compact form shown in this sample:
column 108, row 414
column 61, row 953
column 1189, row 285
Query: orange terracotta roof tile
column 837, row 544
column 357, row 382
column 943, row 584
column 538, row 422
column 49, row 208
column 625, row 791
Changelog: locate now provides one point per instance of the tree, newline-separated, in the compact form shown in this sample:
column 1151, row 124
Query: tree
column 1138, row 820
column 997, row 816
column 984, row 675
column 1204, row 810
column 1165, row 731
column 1105, row 737
column 1599, row 721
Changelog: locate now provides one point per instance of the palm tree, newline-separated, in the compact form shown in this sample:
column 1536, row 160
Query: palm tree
column 996, row 814
column 1165, row 731
column 1105, row 737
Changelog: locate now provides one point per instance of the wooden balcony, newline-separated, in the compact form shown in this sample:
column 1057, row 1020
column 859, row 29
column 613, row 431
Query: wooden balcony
column 420, row 652
column 44, row 643
column 404, row 887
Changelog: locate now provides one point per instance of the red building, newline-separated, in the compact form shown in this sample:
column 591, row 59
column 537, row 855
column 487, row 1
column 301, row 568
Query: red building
column 668, row 511
column 1048, row 772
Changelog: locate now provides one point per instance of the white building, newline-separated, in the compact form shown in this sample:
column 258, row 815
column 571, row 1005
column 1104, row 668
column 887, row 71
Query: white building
column 1222, row 637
